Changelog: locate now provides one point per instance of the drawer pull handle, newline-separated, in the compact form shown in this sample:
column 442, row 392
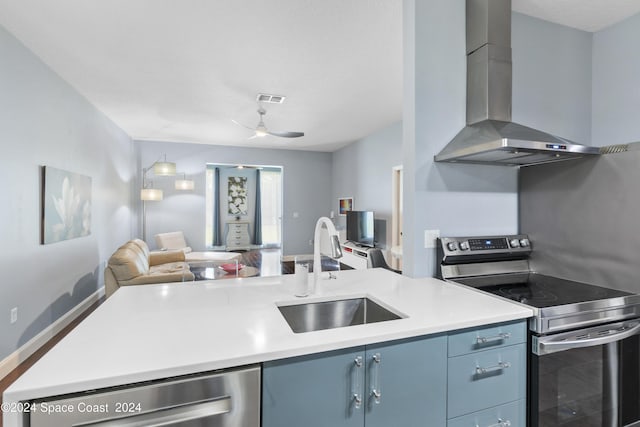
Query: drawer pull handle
column 500, row 337
column 500, row 423
column 376, row 389
column 501, row 365
column 357, row 400
column 357, row 397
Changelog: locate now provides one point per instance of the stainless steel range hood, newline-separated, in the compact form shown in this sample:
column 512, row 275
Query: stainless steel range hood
column 490, row 137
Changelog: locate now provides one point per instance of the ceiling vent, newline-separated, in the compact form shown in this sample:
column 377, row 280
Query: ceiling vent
column 272, row 99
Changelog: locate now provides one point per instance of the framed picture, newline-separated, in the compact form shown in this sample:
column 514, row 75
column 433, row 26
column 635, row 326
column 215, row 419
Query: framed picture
column 66, row 205
column 237, row 195
column 345, row 204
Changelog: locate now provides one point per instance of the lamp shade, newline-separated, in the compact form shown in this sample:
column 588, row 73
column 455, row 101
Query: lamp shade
column 184, row 184
column 164, row 168
column 150, row 194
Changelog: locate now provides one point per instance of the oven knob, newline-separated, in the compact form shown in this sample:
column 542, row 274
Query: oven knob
column 452, row 246
column 514, row 243
column 524, row 242
column 464, row 246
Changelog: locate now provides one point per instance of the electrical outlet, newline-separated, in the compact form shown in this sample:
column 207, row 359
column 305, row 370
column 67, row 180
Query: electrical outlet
column 430, row 237
column 14, row 315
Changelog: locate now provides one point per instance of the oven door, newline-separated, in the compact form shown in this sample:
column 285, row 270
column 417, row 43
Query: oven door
column 586, row 378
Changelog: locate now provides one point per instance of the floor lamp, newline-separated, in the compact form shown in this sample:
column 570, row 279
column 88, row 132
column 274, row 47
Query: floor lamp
column 148, row 193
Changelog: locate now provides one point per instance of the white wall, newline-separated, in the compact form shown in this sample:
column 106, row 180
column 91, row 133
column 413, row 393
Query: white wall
column 306, row 191
column 616, row 83
column 363, row 170
column 44, row 121
column 474, row 199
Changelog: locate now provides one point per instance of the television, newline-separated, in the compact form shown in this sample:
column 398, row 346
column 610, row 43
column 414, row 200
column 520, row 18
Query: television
column 360, row 228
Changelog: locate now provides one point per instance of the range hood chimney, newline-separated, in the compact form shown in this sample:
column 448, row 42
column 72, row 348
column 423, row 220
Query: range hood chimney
column 490, row 137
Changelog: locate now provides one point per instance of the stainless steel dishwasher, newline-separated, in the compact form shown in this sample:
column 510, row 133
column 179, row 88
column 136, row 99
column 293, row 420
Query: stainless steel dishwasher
column 219, row 399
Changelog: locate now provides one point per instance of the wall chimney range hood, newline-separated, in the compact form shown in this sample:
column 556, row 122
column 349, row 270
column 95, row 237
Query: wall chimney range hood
column 490, row 137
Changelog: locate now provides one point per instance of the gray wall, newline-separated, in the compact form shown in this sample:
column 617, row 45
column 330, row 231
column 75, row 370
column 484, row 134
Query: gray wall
column 307, row 189
column 363, row 170
column 552, row 77
column 616, row 79
column 43, row 121
column 582, row 216
column 583, row 220
column 473, row 199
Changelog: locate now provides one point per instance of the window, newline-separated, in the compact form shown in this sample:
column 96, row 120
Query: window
column 269, row 214
column 271, row 196
column 209, row 206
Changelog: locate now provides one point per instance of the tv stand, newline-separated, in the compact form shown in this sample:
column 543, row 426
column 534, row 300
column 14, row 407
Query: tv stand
column 355, row 256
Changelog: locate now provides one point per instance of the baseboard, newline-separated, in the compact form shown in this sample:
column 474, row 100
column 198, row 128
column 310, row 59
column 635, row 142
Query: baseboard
column 12, row 361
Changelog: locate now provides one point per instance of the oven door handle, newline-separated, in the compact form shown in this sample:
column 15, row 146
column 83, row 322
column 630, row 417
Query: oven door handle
column 547, row 345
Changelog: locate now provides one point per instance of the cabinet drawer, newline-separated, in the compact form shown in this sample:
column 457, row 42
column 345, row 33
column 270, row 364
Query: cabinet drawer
column 511, row 414
column 486, row 378
column 487, row 337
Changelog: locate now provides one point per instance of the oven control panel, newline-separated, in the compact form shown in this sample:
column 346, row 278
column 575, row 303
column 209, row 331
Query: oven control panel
column 467, row 249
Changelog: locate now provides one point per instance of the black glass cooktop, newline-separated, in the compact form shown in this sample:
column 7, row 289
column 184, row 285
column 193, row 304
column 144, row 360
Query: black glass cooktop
column 541, row 291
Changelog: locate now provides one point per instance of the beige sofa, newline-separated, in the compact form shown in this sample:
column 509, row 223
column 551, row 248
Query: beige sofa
column 174, row 240
column 133, row 264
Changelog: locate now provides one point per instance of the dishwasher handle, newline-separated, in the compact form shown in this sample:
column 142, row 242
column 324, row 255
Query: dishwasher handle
column 168, row 416
column 567, row 341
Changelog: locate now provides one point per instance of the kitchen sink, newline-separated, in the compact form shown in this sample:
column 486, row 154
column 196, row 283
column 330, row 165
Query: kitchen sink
column 315, row 316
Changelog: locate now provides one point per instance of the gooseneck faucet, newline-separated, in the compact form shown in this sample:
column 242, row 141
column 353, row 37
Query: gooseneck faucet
column 336, row 250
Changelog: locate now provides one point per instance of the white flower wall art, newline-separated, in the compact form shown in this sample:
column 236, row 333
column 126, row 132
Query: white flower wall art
column 66, row 205
column 237, row 196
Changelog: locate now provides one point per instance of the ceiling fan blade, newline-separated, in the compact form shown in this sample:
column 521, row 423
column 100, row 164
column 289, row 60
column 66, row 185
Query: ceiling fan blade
column 287, row 134
column 253, row 137
column 244, row 126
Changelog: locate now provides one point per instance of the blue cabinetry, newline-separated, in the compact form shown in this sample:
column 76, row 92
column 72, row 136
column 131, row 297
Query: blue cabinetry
column 395, row 383
column 314, row 391
column 410, row 377
column 475, row 377
column 487, row 376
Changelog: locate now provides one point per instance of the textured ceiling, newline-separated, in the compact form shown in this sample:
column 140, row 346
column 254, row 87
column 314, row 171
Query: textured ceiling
column 586, row 15
column 182, row 70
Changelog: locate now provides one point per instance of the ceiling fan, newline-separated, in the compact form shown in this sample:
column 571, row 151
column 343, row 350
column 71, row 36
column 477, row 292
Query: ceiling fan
column 261, row 130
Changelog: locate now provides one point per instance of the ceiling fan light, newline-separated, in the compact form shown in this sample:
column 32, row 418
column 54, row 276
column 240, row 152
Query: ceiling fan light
column 261, row 131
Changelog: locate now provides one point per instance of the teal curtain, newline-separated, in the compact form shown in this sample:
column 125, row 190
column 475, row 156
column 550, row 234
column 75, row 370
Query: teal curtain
column 257, row 222
column 217, row 235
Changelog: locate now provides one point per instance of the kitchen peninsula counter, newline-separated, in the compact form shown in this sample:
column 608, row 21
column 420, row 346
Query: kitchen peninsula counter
column 150, row 332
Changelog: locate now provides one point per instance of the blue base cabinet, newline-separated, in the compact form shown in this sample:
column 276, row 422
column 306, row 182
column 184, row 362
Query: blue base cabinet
column 474, row 377
column 314, row 391
column 410, row 377
column 399, row 383
column 487, row 376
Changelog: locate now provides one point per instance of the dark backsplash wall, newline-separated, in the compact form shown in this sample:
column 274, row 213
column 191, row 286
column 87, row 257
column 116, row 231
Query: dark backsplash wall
column 583, row 218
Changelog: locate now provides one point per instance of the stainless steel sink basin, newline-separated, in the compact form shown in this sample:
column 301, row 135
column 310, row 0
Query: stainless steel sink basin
column 316, row 316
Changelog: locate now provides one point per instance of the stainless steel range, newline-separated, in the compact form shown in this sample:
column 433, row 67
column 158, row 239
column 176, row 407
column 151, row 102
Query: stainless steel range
column 584, row 365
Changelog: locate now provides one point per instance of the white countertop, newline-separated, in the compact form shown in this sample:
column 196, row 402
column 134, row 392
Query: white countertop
column 157, row 331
